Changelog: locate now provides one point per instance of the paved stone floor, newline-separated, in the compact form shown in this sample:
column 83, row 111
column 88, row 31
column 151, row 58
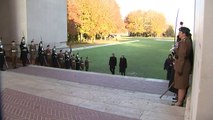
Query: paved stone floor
column 83, row 96
column 22, row 106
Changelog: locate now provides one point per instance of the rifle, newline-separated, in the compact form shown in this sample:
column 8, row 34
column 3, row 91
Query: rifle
column 41, row 38
column 167, row 90
column 23, row 35
column 176, row 25
column 174, row 45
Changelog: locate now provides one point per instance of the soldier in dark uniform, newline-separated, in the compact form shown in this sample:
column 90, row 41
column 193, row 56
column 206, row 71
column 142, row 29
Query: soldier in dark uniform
column 168, row 66
column 73, row 65
column 61, row 59
column 123, row 65
column 77, row 61
column 67, row 60
column 33, row 52
column 2, row 58
column 14, row 54
column 112, row 63
column 48, row 55
column 41, row 55
column 82, row 63
column 40, row 44
column 86, row 63
column 24, row 52
column 54, row 58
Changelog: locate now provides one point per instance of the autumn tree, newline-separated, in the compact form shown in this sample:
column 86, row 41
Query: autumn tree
column 169, row 32
column 135, row 22
column 157, row 23
column 145, row 23
column 91, row 18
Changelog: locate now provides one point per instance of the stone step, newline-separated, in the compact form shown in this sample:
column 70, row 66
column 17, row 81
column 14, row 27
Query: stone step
column 119, row 101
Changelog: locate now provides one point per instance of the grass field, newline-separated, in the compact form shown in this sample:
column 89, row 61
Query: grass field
column 145, row 58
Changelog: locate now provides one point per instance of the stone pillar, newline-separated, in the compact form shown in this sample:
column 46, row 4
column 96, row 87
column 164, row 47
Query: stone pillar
column 201, row 100
column 13, row 23
column 34, row 19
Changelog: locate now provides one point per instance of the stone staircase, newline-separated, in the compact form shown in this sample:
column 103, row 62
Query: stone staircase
column 136, row 98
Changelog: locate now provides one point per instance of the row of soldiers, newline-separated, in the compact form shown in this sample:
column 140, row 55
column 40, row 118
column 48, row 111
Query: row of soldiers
column 47, row 57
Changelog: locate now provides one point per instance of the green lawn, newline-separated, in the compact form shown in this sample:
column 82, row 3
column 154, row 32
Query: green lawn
column 145, row 58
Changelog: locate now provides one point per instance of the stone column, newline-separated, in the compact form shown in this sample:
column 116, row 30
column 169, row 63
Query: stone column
column 201, row 100
column 13, row 23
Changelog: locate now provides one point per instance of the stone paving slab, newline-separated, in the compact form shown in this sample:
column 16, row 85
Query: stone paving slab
column 21, row 106
column 131, row 104
column 115, row 101
column 104, row 80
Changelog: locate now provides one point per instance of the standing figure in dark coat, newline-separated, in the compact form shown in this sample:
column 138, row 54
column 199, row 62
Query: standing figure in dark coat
column 183, row 65
column 82, row 63
column 123, row 65
column 112, row 63
column 168, row 66
column 54, row 58
column 24, row 52
column 86, row 63
column 67, row 60
column 41, row 55
column 2, row 58
column 77, row 61
column 73, row 63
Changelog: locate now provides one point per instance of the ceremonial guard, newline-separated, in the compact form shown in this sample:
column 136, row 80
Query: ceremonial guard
column 54, row 58
column 33, row 52
column 48, row 55
column 67, row 60
column 168, row 66
column 61, row 59
column 2, row 58
column 82, row 63
column 24, row 52
column 73, row 65
column 14, row 54
column 86, row 63
column 41, row 55
column 77, row 61
column 183, row 64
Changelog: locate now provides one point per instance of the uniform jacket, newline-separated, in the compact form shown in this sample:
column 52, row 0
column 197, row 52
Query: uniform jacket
column 182, row 64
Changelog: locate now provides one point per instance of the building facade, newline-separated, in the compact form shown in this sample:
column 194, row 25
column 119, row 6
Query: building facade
column 35, row 19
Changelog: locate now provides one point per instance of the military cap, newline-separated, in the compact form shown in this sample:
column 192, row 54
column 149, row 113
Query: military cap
column 185, row 30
